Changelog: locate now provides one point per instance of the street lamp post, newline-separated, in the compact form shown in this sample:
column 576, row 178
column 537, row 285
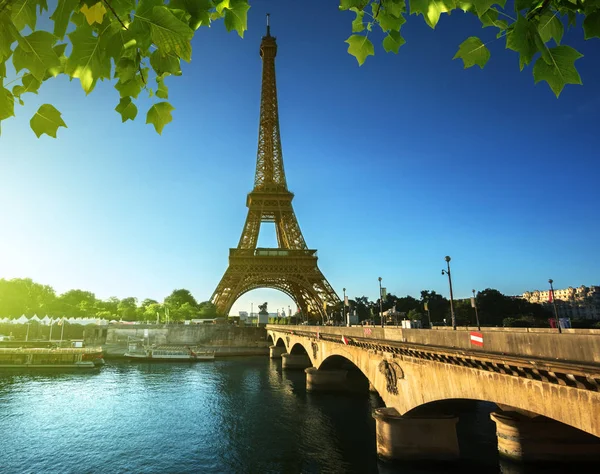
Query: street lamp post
column 27, row 335
column 554, row 304
column 476, row 312
column 345, row 318
column 447, row 272
column 381, row 304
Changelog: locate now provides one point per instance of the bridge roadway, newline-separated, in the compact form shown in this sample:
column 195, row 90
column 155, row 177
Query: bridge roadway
column 546, row 385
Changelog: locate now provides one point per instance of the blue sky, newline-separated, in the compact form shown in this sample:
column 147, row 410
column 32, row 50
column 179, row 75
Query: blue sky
column 394, row 165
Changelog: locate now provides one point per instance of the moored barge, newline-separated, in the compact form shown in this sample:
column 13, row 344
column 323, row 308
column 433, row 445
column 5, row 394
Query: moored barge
column 50, row 358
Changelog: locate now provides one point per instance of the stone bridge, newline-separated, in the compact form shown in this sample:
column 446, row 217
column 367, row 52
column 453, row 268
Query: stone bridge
column 546, row 385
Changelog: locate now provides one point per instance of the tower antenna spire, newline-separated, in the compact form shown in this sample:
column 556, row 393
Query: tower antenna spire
column 268, row 25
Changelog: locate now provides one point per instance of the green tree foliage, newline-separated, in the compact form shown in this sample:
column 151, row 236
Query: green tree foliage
column 494, row 308
column 127, row 309
column 23, row 296
column 439, row 307
column 207, row 310
column 137, row 44
column 76, row 303
column 178, row 298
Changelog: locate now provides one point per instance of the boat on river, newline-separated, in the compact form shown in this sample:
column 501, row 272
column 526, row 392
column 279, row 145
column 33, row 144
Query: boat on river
column 51, row 357
column 169, row 354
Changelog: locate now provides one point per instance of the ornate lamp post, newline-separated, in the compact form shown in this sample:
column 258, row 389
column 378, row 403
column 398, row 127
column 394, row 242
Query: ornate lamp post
column 344, row 318
column 476, row 312
column 447, row 272
column 554, row 305
column 381, row 304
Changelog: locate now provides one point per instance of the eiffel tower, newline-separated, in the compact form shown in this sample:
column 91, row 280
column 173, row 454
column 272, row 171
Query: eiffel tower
column 292, row 266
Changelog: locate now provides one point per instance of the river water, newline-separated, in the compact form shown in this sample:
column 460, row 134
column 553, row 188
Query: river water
column 239, row 415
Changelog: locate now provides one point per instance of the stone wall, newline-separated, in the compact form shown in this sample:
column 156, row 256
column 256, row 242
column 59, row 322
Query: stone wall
column 580, row 345
column 202, row 335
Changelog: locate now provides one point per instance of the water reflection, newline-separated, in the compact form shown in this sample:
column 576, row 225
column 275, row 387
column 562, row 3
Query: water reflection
column 242, row 415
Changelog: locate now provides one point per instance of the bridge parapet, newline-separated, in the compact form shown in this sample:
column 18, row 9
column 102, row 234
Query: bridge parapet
column 571, row 347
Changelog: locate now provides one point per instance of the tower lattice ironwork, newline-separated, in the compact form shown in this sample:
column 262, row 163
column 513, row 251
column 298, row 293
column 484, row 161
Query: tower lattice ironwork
column 292, row 266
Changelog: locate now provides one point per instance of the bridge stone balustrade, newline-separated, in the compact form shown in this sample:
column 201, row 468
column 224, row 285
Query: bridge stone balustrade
column 544, row 384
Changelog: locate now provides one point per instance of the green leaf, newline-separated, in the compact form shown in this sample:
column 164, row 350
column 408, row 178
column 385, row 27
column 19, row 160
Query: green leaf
column 23, row 12
column 116, row 42
column 393, row 41
column 140, row 29
column 127, row 109
column 163, row 91
column 360, row 47
column 88, row 61
column 7, row 104
column 431, row 9
column 30, row 84
column 525, row 4
column 389, row 22
column 472, row 51
column 490, row 18
column 357, row 23
column 348, row 4
column 170, row 35
column 236, row 16
column 562, row 70
column 199, row 11
column 482, row 6
column 35, row 53
column 168, row 64
column 159, row 115
column 395, row 7
column 126, row 69
column 123, row 8
column 591, row 25
column 61, row 16
column 8, row 36
column 46, row 120
column 550, row 26
column 130, row 88
column 522, row 40
column 221, row 5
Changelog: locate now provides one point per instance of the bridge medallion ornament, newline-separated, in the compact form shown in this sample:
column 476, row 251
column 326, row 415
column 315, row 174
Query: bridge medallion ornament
column 392, row 372
column 291, row 267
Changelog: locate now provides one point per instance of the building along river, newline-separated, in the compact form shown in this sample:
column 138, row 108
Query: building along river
column 235, row 415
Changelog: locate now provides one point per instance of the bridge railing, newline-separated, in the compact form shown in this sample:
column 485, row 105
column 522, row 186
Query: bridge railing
column 573, row 346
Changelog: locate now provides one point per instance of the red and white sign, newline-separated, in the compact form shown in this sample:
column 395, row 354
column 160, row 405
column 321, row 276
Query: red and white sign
column 476, row 338
column 345, row 340
column 367, row 331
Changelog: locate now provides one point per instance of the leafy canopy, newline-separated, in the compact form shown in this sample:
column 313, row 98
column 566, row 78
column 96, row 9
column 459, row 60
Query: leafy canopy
column 138, row 43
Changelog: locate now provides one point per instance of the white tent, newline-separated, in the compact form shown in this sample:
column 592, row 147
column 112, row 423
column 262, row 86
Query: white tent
column 21, row 320
column 45, row 320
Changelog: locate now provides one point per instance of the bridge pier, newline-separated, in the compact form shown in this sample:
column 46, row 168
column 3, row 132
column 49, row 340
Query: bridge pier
column 325, row 380
column 540, row 439
column 415, row 438
column 335, row 381
column 276, row 351
column 295, row 361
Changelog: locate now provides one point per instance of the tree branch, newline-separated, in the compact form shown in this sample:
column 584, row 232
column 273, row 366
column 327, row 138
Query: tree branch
column 115, row 14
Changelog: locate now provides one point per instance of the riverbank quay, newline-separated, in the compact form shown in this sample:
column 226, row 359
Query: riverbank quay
column 223, row 340
column 117, row 351
column 50, row 358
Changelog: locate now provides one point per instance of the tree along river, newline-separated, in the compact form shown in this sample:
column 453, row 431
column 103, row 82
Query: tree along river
column 239, row 415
